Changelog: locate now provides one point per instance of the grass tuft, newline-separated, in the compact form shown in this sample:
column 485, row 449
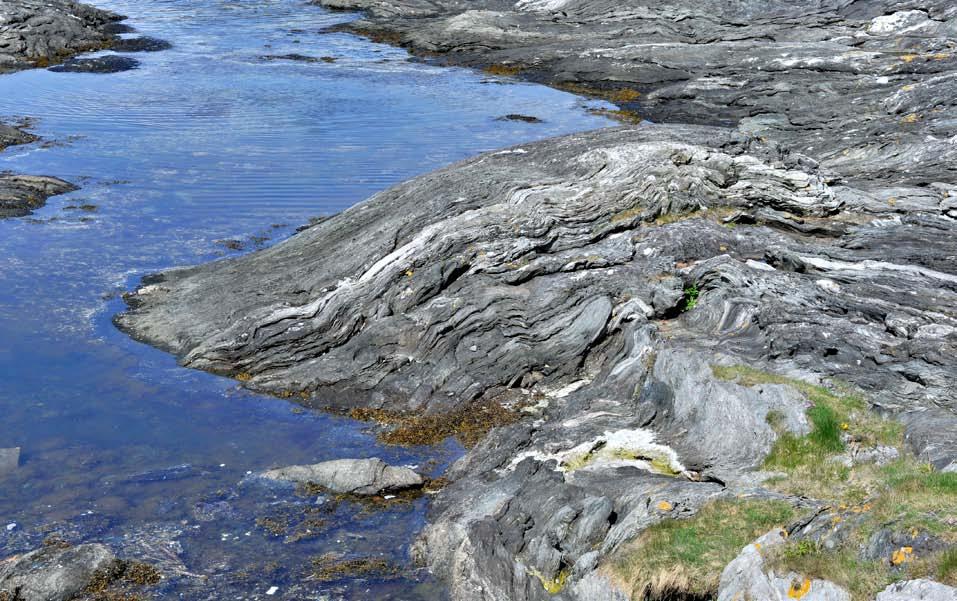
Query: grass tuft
column 684, row 558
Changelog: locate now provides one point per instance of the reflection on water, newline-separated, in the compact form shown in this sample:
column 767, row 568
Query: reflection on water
column 208, row 149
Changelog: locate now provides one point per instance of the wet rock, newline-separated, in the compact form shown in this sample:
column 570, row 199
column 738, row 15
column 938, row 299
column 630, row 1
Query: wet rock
column 352, row 476
column 918, row 590
column 22, row 194
column 110, row 63
column 53, row 573
column 291, row 57
column 141, row 44
column 13, row 136
column 522, row 118
column 176, row 472
column 9, row 460
column 36, row 33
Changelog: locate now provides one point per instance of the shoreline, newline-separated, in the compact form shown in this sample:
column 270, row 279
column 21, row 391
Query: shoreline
column 613, row 285
column 667, row 305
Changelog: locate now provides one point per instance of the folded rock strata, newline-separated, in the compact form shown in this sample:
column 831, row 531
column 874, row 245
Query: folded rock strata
column 801, row 198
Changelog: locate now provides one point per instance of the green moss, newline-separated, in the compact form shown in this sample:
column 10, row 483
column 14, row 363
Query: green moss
column 684, row 558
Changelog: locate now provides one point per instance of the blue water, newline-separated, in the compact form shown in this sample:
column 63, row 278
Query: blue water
column 205, row 148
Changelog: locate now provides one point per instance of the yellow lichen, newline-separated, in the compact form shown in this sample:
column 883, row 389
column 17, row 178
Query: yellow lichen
column 902, row 555
column 665, row 506
column 799, row 589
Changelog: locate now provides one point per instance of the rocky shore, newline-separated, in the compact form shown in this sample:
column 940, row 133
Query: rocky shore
column 736, row 319
column 35, row 33
column 21, row 194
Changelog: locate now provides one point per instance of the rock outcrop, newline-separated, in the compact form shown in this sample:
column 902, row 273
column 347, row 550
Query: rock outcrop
column 37, row 33
column 793, row 211
column 21, row 194
column 350, row 476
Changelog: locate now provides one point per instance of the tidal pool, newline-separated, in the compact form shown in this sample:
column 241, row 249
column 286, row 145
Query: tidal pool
column 205, row 150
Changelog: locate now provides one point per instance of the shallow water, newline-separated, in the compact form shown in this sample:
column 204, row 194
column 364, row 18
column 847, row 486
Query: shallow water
column 205, row 150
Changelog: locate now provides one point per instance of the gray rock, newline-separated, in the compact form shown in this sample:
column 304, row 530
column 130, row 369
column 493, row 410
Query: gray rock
column 41, row 32
column 53, row 574
column 110, row 63
column 9, row 460
column 806, row 195
column 353, row 476
column 22, row 194
column 746, row 578
column 918, row 590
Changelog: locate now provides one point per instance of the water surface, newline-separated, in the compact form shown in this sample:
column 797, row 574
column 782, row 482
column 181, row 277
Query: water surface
column 206, row 150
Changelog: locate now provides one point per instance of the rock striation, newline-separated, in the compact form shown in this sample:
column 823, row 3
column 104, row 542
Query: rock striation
column 793, row 209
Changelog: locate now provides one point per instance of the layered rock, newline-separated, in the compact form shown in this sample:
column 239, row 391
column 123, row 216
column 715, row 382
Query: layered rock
column 597, row 281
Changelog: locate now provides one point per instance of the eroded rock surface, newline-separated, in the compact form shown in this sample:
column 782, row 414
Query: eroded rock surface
column 40, row 32
column 596, row 281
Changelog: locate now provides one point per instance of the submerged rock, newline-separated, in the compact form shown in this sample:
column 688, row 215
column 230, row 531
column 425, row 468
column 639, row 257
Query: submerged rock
column 141, row 44
column 9, row 460
column 351, row 476
column 110, row 63
column 53, row 573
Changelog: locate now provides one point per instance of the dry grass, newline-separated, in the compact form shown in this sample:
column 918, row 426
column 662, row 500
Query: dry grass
column 684, row 558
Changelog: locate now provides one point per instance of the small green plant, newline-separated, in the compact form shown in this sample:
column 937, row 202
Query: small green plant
column 691, row 297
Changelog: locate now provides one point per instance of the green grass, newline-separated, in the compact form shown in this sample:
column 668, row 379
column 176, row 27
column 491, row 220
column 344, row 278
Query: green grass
column 805, row 460
column 691, row 297
column 947, row 568
column 844, row 567
column 676, row 557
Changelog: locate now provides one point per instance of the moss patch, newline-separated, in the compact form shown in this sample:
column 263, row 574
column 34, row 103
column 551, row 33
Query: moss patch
column 503, row 70
column 468, row 425
column 331, row 567
column 676, row 559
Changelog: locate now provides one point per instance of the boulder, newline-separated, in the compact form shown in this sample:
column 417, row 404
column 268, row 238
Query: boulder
column 53, row 573
column 351, row 476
